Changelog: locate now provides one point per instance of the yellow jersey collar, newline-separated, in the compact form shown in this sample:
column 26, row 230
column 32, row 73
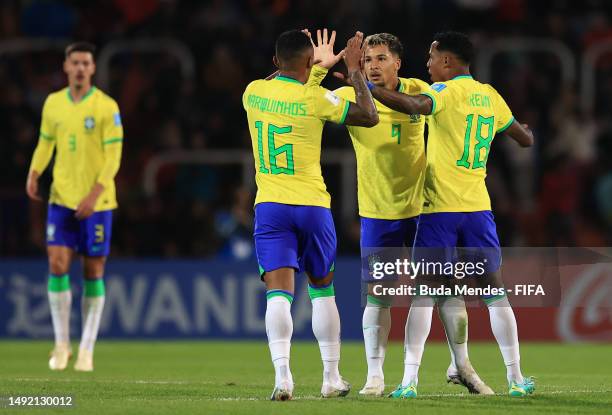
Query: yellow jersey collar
column 462, row 77
column 87, row 95
column 287, row 79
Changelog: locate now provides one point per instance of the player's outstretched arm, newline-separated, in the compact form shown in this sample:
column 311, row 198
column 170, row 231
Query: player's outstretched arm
column 408, row 104
column 363, row 113
column 521, row 133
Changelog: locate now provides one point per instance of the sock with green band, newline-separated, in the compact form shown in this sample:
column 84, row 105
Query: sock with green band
column 323, row 291
column 279, row 329
column 376, row 324
column 326, row 328
column 94, row 287
column 58, row 283
column 503, row 324
column 379, row 301
column 280, row 293
column 60, row 302
column 92, row 304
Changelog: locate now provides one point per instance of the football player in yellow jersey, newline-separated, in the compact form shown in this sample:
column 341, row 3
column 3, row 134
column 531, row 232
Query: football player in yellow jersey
column 390, row 176
column 465, row 116
column 83, row 126
column 294, row 229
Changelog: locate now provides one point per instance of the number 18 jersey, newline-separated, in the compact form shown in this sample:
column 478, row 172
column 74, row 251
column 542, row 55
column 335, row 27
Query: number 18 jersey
column 465, row 117
column 286, row 121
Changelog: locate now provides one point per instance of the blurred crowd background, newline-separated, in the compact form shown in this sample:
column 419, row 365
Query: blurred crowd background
column 558, row 193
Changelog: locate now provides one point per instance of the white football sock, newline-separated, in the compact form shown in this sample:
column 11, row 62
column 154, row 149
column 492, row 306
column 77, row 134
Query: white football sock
column 91, row 314
column 279, row 328
column 326, row 328
column 505, row 331
column 455, row 320
column 60, row 304
column 376, row 324
column 418, row 325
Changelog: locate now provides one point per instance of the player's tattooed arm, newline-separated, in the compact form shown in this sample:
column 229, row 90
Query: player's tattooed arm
column 363, row 113
column 521, row 133
column 408, row 104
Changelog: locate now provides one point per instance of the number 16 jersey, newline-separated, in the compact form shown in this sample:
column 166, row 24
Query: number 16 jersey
column 286, row 121
column 465, row 117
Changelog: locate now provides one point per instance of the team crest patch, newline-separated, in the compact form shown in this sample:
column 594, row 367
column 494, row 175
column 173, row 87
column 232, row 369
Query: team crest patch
column 90, row 123
column 438, row 87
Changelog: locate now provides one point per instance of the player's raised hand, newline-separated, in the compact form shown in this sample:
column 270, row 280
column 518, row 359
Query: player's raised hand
column 353, row 53
column 324, row 48
column 32, row 186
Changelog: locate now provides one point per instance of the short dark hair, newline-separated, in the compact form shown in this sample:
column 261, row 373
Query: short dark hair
column 80, row 47
column 391, row 41
column 457, row 43
column 290, row 45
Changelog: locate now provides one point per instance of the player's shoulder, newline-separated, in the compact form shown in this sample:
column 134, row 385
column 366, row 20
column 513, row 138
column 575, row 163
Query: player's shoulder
column 346, row 92
column 491, row 90
column 253, row 84
column 413, row 86
column 57, row 96
column 318, row 94
column 439, row 87
column 104, row 97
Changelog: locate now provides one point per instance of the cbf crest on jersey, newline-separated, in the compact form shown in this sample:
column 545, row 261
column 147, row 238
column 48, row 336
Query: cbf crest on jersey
column 90, row 124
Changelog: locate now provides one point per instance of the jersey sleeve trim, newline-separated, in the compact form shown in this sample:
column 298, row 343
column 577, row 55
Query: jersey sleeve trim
column 46, row 136
column 433, row 101
column 505, row 127
column 345, row 112
column 112, row 140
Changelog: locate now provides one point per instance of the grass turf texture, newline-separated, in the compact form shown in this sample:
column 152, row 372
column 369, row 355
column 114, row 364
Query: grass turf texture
column 237, row 377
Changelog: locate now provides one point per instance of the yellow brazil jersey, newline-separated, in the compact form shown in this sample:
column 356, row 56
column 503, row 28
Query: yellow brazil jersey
column 87, row 137
column 390, row 156
column 465, row 117
column 286, row 121
column 390, row 159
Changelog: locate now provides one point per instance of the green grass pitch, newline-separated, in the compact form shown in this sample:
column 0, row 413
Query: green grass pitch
column 237, row 378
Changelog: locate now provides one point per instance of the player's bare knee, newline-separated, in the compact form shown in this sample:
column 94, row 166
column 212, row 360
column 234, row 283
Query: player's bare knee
column 280, row 279
column 93, row 267
column 321, row 282
column 59, row 263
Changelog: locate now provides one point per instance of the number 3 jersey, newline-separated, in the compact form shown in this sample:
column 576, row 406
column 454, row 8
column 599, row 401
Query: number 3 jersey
column 465, row 117
column 286, row 121
column 87, row 138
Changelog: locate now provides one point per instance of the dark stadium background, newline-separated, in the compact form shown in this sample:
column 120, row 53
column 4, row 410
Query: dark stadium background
column 178, row 70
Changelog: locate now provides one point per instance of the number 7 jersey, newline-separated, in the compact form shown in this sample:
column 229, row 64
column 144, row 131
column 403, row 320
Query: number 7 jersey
column 465, row 117
column 286, row 121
